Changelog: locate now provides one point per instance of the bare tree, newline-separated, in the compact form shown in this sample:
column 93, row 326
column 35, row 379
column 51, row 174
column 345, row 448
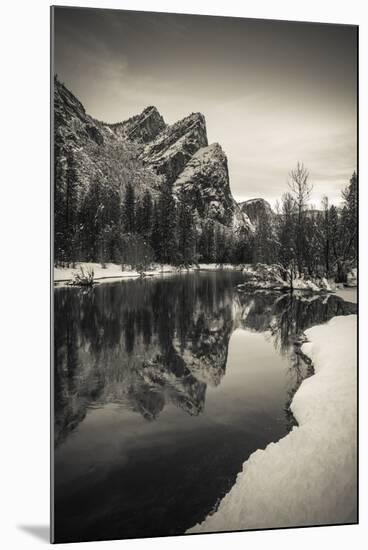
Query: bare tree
column 301, row 190
column 299, row 185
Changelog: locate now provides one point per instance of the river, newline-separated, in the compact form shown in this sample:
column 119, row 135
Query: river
column 163, row 388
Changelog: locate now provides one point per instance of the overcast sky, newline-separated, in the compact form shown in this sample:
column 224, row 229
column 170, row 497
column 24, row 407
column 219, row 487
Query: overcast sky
column 272, row 92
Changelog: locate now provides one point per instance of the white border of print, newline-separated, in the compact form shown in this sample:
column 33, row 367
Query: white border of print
column 25, row 271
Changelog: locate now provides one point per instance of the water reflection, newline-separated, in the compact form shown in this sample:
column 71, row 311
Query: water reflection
column 288, row 315
column 163, row 388
column 146, row 343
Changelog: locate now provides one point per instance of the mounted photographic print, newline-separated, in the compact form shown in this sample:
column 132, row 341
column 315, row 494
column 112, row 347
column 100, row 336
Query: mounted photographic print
column 204, row 245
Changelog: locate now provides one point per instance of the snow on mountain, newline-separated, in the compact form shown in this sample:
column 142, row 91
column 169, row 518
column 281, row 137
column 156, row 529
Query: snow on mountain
column 146, row 151
column 175, row 145
column 71, row 121
column 141, row 128
column 204, row 183
column 255, row 209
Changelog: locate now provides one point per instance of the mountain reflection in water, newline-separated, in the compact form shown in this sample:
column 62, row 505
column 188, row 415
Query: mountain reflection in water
column 150, row 347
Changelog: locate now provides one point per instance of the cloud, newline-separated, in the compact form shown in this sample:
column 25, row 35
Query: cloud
column 272, row 94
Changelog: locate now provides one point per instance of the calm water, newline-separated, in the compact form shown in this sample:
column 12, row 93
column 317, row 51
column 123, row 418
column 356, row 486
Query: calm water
column 163, row 388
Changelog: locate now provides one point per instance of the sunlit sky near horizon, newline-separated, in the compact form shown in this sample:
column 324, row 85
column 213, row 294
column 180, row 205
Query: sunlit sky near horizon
column 272, row 92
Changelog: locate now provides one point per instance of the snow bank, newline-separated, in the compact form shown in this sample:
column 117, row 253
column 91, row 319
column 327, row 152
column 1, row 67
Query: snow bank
column 219, row 267
column 111, row 271
column 316, row 285
column 114, row 271
column 271, row 277
column 309, row 477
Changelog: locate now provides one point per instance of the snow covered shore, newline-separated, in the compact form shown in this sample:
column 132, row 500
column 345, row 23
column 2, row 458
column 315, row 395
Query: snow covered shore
column 276, row 277
column 114, row 271
column 309, row 477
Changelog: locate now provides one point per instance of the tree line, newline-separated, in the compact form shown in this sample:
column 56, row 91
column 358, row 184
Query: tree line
column 103, row 222
column 107, row 222
column 304, row 241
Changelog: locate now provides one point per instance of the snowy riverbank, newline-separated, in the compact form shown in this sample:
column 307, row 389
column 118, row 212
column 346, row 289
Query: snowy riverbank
column 275, row 277
column 114, row 271
column 309, row 477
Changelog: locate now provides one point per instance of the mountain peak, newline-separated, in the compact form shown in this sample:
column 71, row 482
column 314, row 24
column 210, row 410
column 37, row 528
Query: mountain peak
column 256, row 209
column 141, row 128
column 175, row 145
column 65, row 103
column 204, row 183
column 254, row 200
column 178, row 153
column 151, row 108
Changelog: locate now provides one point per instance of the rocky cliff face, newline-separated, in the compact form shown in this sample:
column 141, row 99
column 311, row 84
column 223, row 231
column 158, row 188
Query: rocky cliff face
column 141, row 128
column 204, row 184
column 147, row 151
column 256, row 209
column 169, row 153
column 71, row 121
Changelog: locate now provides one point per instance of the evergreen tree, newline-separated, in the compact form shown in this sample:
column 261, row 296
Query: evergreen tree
column 286, row 235
column 167, row 224
column 264, row 250
column 139, row 216
column 343, row 230
column 336, row 239
column 211, row 243
column 71, row 210
column 59, row 201
column 221, row 246
column 350, row 218
column 243, row 247
column 203, row 243
column 129, row 209
column 312, row 254
column 91, row 221
column 323, row 232
column 146, row 214
column 186, row 235
column 155, row 232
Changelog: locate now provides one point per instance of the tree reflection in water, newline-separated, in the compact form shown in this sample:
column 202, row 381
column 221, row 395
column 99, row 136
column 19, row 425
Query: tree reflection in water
column 284, row 318
column 145, row 343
